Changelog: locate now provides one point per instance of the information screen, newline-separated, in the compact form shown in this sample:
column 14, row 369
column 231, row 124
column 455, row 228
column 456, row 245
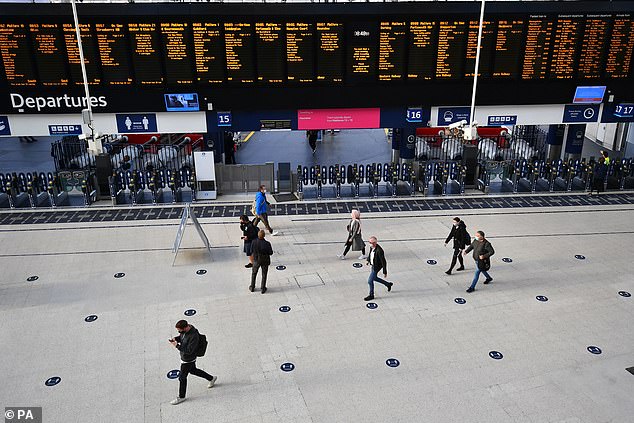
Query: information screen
column 300, row 51
column 178, row 56
column 269, row 44
column 421, row 64
column 89, row 47
column 594, row 47
column 330, row 51
column 539, row 44
column 565, row 47
column 146, row 53
column 239, row 52
column 362, row 52
column 486, row 48
column 392, row 47
column 113, row 53
column 49, row 54
column 209, row 52
column 17, row 60
column 619, row 62
column 509, row 40
column 452, row 46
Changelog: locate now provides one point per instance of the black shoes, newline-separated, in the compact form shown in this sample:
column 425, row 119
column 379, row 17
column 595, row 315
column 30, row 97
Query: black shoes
column 251, row 288
column 448, row 272
column 389, row 287
column 460, row 268
column 369, row 298
column 488, row 280
column 248, row 265
column 263, row 290
column 470, row 290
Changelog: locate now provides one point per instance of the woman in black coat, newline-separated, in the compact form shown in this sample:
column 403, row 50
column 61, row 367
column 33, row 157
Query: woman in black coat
column 460, row 240
column 249, row 234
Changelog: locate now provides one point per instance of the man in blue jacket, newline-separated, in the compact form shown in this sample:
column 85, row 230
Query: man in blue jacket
column 261, row 209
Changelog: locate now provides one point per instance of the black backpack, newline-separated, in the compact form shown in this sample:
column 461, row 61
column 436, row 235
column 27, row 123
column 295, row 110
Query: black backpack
column 202, row 345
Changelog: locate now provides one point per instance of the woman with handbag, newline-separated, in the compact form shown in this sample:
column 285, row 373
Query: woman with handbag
column 482, row 251
column 354, row 240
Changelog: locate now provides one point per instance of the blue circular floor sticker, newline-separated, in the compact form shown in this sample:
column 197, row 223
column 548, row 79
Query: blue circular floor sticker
column 460, row 301
column 372, row 306
column 119, row 275
column 432, row 262
column 190, row 312
column 507, row 260
column 496, row 355
column 392, row 362
column 281, row 267
column 32, row 278
column 285, row 309
column 173, row 374
column 580, row 257
column 541, row 298
column 90, row 319
column 625, row 294
column 201, row 272
column 594, row 350
column 287, row 367
column 53, row 381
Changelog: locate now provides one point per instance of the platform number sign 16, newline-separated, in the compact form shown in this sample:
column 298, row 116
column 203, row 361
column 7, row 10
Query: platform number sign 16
column 414, row 114
column 224, row 118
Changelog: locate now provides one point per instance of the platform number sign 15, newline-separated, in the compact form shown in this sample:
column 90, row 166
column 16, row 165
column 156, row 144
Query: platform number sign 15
column 414, row 114
column 224, row 118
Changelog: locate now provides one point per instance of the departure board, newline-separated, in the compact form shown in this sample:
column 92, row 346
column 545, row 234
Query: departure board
column 146, row 54
column 619, row 62
column 421, row 64
column 269, row 45
column 89, row 46
column 16, row 56
column 330, row 51
column 509, row 41
column 300, row 47
column 49, row 57
column 452, row 42
column 239, row 52
column 486, row 48
column 538, row 46
column 361, row 53
column 392, row 47
column 594, row 47
column 113, row 52
column 209, row 52
column 177, row 54
column 565, row 47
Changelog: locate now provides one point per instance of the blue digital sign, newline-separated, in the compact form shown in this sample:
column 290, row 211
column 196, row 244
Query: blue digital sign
column 182, row 102
column 135, row 123
column 415, row 114
column 589, row 95
column 224, row 119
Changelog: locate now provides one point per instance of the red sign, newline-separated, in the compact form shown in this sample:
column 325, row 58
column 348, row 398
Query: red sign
column 338, row 118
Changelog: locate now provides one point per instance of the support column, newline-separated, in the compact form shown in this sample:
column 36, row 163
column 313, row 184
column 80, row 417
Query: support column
column 574, row 141
column 408, row 144
column 555, row 141
column 397, row 134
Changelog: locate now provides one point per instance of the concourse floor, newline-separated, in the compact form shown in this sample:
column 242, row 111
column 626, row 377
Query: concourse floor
column 500, row 356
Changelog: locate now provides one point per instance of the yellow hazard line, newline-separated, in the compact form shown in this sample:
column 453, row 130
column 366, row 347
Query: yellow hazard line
column 249, row 136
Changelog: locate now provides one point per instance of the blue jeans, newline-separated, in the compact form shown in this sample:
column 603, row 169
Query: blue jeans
column 477, row 276
column 374, row 277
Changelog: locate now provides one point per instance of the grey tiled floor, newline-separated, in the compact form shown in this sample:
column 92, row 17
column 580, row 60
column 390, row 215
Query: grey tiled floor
column 114, row 369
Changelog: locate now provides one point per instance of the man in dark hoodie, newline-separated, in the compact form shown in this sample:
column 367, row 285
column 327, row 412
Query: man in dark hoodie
column 460, row 241
column 187, row 344
column 482, row 250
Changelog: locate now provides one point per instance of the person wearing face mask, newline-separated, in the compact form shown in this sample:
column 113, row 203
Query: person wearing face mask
column 354, row 240
column 460, row 241
column 187, row 343
column 482, row 251
column 261, row 207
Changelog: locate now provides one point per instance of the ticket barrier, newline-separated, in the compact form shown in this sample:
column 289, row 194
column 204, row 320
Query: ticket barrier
column 454, row 175
column 436, row 178
column 623, row 171
column 577, row 175
column 77, row 187
column 152, row 187
column 522, row 176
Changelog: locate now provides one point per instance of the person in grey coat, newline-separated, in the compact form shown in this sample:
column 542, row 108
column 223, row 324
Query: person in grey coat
column 482, row 251
column 354, row 240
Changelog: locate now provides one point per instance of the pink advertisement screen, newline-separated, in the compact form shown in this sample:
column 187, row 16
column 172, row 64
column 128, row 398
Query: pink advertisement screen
column 338, row 118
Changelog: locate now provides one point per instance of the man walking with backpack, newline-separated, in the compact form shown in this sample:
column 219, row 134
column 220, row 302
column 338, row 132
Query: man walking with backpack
column 191, row 344
column 482, row 251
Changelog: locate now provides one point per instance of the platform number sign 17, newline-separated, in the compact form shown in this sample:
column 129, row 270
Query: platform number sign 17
column 414, row 114
column 224, row 118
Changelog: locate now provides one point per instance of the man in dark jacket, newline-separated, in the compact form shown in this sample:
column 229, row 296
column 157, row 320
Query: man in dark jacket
column 460, row 241
column 598, row 177
column 482, row 250
column 376, row 259
column 249, row 234
column 262, row 252
column 187, row 344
